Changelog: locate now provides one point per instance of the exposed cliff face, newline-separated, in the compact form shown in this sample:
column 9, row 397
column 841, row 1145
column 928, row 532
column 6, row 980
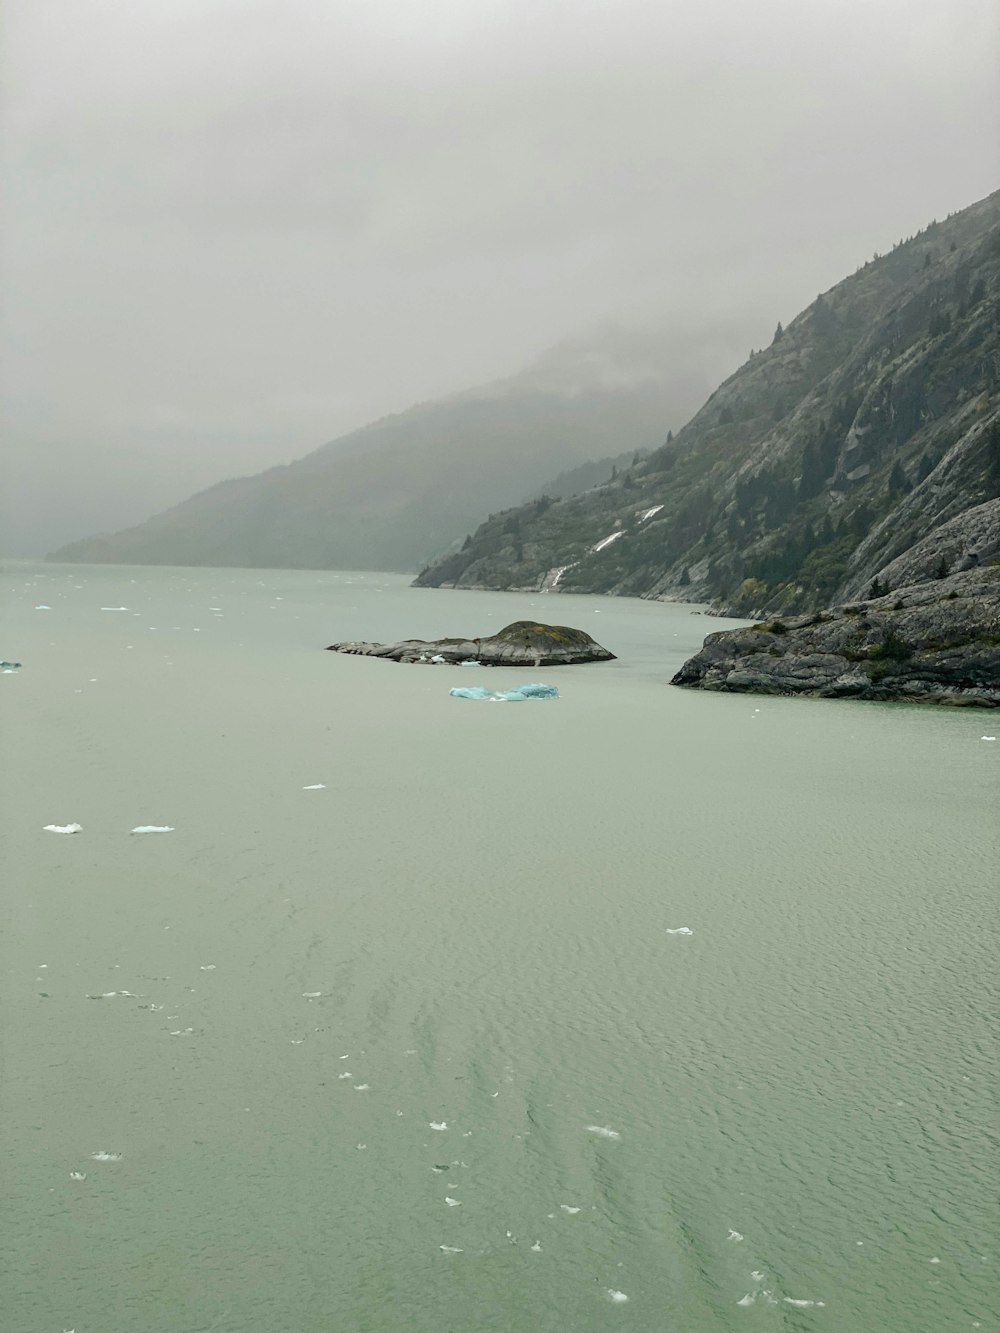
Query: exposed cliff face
column 931, row 642
column 867, row 434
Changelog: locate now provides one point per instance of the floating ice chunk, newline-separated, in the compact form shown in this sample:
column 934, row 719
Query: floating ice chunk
column 803, row 1305
column 153, row 828
column 567, row 1209
column 207, row 967
column 315, row 786
column 437, row 658
column 452, row 1203
column 439, row 1124
column 106, row 1156
column 748, row 1299
column 78, row 1175
column 935, row 1260
column 114, row 608
column 43, row 608
column 987, row 738
column 311, row 994
column 346, row 1074
column 734, row 1235
column 63, row 828
column 182, row 1032
column 362, row 1087
column 470, row 663
column 679, row 930
column 533, row 690
column 450, row 1249
column 618, row 1297
column 536, row 1248
column 604, row 1132
column 648, row 513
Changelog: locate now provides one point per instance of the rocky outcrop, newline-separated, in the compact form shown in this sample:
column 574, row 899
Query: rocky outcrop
column 931, row 642
column 523, row 643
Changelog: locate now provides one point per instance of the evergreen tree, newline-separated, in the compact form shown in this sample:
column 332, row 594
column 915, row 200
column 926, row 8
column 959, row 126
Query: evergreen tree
column 898, row 483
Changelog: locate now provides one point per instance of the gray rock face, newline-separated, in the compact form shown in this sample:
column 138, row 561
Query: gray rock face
column 523, row 643
column 932, row 642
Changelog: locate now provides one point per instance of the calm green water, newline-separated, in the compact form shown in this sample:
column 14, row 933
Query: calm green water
column 468, row 926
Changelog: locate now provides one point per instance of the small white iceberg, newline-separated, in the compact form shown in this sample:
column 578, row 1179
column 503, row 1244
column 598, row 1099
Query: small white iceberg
column 106, row 1156
column 452, row 1203
column 63, row 828
column 567, row 1209
column 618, row 1297
column 439, row 1124
column 679, row 930
column 450, row 1249
column 734, row 1235
column 152, row 828
column 315, row 786
column 603, row 1131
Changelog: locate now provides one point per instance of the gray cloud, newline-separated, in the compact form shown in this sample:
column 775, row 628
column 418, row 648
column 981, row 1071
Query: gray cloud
column 235, row 229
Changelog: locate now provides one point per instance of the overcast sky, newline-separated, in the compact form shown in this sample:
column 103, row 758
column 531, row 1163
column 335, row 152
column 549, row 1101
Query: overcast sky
column 234, row 229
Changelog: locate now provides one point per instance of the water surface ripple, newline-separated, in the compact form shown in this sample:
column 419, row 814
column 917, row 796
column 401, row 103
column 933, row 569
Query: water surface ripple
column 415, row 1049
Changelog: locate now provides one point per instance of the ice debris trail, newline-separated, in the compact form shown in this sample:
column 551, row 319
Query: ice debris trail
column 604, row 1132
column 62, row 828
column 153, row 828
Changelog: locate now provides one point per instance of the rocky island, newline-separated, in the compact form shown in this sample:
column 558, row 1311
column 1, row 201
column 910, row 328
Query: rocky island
column 523, row 643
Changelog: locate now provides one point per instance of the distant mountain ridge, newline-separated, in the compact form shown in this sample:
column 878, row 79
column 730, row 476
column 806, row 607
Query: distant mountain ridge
column 858, row 449
column 406, row 488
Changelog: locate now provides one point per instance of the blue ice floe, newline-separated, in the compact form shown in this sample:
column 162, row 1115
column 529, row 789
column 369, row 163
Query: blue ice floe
column 516, row 695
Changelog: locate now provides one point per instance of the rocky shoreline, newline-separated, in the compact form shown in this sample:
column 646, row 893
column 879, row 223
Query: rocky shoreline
column 936, row 641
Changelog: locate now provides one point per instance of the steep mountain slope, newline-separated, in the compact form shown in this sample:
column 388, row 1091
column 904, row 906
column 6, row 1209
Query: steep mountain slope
column 401, row 490
column 823, row 464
